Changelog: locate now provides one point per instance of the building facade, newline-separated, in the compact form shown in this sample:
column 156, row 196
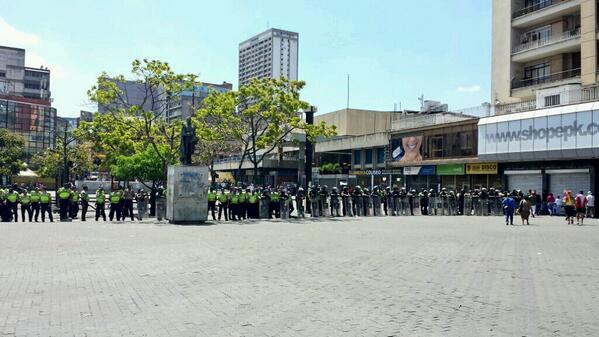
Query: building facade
column 544, row 81
column 190, row 100
column 540, row 46
column 273, row 53
column 25, row 102
column 17, row 80
column 35, row 123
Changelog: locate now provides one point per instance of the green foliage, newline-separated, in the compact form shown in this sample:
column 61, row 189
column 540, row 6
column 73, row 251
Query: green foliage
column 330, row 168
column 12, row 153
column 143, row 166
column 132, row 129
column 49, row 163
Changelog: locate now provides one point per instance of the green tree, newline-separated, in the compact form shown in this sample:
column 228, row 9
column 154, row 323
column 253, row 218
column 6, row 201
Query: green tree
column 270, row 111
column 143, row 166
column 52, row 162
column 12, row 153
column 218, row 129
column 129, row 128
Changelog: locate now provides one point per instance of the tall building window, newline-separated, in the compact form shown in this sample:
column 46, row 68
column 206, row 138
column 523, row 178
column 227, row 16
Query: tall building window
column 380, row 155
column 357, row 157
column 537, row 71
column 368, row 159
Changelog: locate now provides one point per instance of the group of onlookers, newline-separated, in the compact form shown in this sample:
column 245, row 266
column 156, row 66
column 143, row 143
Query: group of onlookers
column 574, row 207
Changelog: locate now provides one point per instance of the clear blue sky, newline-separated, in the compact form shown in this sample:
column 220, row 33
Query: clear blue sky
column 393, row 50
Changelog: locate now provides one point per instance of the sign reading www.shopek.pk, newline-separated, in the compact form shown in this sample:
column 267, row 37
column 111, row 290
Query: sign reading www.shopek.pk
column 554, row 133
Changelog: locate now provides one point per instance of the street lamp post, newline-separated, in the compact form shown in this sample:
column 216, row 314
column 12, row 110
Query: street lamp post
column 309, row 148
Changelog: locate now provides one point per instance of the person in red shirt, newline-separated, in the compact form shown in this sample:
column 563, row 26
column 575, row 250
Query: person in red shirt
column 581, row 205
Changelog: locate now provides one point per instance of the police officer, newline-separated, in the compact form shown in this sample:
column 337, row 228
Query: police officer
column 12, row 203
column 100, row 204
column 411, row 196
column 387, row 200
column 3, row 206
column 403, row 198
column 275, row 205
column 396, row 201
column 46, row 205
column 74, row 209
column 25, row 201
column 357, row 201
column 223, row 205
column 253, row 205
column 432, row 205
column 242, row 206
column 366, row 201
column 313, row 195
column 461, row 201
column 35, row 203
column 64, row 199
column 212, row 202
column 299, row 201
column 116, row 198
column 128, row 197
column 335, row 203
column 84, row 202
column 234, row 205
column 284, row 204
column 424, row 200
column 346, row 198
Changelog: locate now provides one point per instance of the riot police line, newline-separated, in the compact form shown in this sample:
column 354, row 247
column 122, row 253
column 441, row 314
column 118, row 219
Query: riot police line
column 320, row 201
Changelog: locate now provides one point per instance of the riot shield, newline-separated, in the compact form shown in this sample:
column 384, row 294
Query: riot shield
column 324, row 201
column 376, row 205
column 452, row 206
column 468, row 204
column 264, row 209
column 484, row 207
column 346, row 206
column 359, row 206
column 367, row 205
column 285, row 209
column 395, row 205
column 301, row 211
column 314, row 208
column 405, row 207
column 416, row 205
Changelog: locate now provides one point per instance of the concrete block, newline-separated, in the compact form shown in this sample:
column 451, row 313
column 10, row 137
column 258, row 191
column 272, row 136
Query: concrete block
column 187, row 194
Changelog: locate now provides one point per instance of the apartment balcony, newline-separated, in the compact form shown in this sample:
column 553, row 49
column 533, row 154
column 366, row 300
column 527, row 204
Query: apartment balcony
column 544, row 12
column 566, row 42
column 563, row 77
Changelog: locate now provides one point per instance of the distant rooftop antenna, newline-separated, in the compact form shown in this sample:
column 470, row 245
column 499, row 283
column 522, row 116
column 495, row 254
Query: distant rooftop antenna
column 421, row 99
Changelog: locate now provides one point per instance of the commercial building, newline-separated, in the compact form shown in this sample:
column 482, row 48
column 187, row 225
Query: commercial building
column 25, row 101
column 273, row 53
column 172, row 108
column 189, row 100
column 544, row 84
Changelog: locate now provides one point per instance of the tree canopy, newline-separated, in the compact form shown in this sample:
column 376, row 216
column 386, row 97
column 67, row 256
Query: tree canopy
column 129, row 127
column 12, row 153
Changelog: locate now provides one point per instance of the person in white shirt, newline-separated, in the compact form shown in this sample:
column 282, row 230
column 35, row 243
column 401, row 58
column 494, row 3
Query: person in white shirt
column 590, row 205
column 558, row 206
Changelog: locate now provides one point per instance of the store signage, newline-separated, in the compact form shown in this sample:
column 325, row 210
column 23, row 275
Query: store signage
column 450, row 170
column 563, row 132
column 481, row 168
column 375, row 172
column 427, row 170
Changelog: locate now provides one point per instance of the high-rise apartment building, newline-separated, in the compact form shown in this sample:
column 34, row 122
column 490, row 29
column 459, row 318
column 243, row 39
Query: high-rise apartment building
column 542, row 48
column 273, row 53
column 25, row 101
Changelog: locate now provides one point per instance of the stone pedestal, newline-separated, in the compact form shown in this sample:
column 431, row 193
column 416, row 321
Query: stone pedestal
column 187, row 194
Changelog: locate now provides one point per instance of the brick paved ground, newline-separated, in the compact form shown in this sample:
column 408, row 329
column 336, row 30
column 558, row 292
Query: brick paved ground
column 420, row 276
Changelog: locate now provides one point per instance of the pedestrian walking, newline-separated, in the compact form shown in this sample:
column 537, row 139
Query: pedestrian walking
column 581, row 207
column 590, row 205
column 569, row 205
column 508, row 209
column 551, row 203
column 525, row 210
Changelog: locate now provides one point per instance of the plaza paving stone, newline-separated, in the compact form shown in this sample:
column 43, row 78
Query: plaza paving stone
column 400, row 276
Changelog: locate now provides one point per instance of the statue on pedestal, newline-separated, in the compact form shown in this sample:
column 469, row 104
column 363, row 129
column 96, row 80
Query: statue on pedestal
column 188, row 142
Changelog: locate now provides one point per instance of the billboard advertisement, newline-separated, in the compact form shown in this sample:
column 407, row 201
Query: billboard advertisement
column 407, row 150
